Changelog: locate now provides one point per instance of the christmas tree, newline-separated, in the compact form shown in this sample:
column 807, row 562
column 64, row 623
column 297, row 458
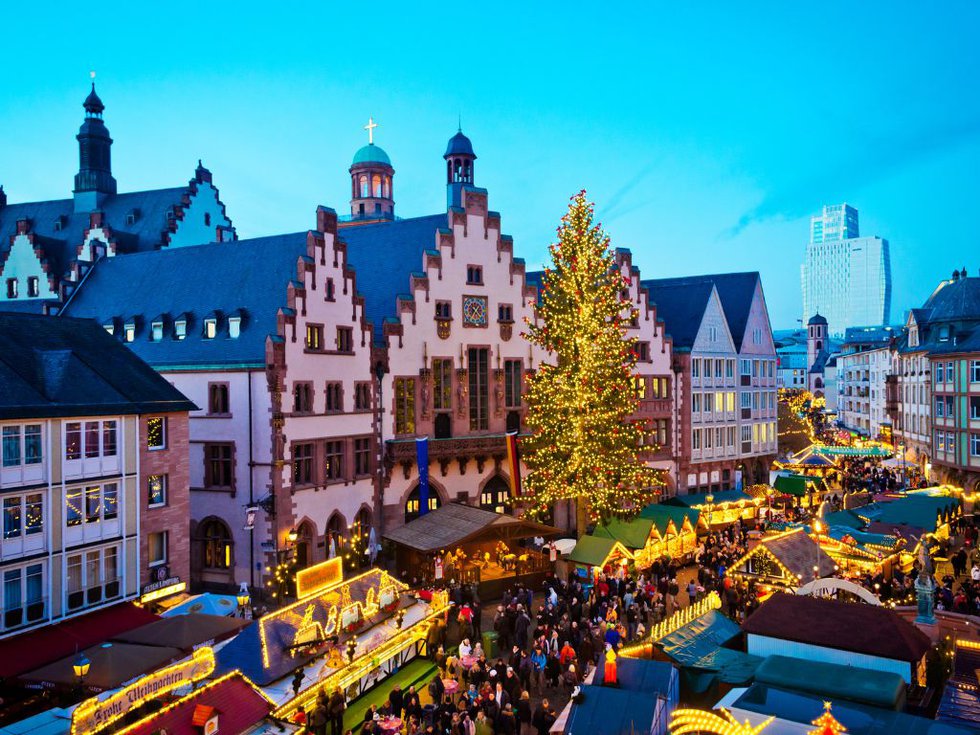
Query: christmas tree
column 585, row 442
column 827, row 724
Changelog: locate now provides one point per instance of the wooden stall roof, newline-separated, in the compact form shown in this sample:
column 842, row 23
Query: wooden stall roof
column 454, row 524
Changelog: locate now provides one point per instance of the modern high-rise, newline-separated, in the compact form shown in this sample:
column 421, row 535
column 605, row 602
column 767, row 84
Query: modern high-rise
column 845, row 277
column 835, row 222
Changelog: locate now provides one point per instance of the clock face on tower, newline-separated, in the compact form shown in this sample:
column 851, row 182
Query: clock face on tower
column 474, row 311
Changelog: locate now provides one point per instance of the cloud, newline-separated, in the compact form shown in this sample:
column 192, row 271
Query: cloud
column 867, row 161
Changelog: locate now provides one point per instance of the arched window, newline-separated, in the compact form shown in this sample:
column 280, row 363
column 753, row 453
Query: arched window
column 819, row 345
column 412, row 504
column 304, row 545
column 217, row 544
column 387, row 187
column 495, row 495
column 818, row 383
column 363, row 182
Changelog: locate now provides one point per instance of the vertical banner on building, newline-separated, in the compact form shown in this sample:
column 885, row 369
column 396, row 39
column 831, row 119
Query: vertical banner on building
column 514, row 465
column 422, row 458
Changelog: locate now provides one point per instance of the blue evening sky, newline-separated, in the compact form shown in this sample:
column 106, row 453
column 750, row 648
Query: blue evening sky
column 706, row 132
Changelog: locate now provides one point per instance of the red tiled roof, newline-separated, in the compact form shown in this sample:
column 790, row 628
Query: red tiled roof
column 34, row 649
column 238, row 705
column 846, row 626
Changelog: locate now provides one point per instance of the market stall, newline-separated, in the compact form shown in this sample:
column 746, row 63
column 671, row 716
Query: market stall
column 721, row 508
column 473, row 546
column 594, row 555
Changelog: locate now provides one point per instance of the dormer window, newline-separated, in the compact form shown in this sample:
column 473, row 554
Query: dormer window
column 33, row 287
column 914, row 337
column 210, row 328
column 156, row 331
column 234, row 326
column 129, row 331
column 110, row 327
column 60, row 222
column 132, row 216
column 944, row 334
column 180, row 329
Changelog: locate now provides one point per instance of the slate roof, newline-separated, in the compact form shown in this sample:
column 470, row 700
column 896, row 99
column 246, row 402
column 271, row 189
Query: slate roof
column 249, row 275
column 846, row 626
column 53, row 366
column 681, row 307
column 952, row 300
column 798, row 552
column 385, row 255
column 736, row 291
column 454, row 523
column 873, row 336
column 60, row 245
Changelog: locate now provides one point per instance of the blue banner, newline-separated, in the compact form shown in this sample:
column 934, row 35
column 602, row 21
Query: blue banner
column 422, row 458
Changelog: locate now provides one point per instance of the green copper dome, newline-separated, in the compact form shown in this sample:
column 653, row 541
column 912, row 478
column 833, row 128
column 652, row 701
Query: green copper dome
column 371, row 154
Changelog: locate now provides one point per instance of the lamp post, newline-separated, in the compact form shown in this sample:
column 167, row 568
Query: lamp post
column 709, row 500
column 901, row 463
column 243, row 600
column 81, row 666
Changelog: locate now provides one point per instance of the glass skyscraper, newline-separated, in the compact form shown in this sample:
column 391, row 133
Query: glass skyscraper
column 846, row 278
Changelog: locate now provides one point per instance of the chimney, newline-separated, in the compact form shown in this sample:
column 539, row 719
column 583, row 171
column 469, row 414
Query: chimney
column 23, row 226
column 326, row 220
column 956, row 275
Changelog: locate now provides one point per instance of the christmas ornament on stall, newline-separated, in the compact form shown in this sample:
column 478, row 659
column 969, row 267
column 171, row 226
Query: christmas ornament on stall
column 585, row 441
column 827, row 724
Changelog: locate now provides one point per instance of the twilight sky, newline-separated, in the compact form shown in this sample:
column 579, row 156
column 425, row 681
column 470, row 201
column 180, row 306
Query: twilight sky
column 706, row 133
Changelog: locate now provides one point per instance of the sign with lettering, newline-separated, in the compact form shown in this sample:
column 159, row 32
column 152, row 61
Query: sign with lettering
column 311, row 580
column 95, row 714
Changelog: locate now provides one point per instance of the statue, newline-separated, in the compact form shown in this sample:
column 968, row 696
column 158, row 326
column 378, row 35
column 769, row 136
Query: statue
column 925, row 586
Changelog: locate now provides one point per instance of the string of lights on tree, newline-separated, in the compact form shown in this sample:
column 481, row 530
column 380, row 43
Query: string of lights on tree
column 584, row 441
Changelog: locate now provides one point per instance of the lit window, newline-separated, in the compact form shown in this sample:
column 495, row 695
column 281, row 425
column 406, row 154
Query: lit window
column 210, row 328
column 156, row 490
column 156, row 433
column 33, row 286
column 314, row 337
column 180, row 329
column 234, row 326
column 156, row 331
column 129, row 333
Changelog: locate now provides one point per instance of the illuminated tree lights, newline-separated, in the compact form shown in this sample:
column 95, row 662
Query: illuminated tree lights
column 584, row 441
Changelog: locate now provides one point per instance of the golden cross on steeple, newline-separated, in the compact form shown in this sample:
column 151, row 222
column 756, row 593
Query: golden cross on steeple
column 370, row 128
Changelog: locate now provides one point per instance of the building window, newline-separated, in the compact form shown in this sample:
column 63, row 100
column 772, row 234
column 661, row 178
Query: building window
column 658, row 434
column 442, row 377
column 639, row 387
column 210, row 328
column 129, row 331
column 11, row 288
column 513, row 383
column 940, row 403
column 303, row 398
column 109, row 438
column 234, row 326
column 156, row 544
column 21, row 445
column 217, row 545
column 333, row 461
column 219, row 466
column 474, row 275
column 303, row 464
column 696, row 368
column 156, row 331
column 412, row 504
column 23, row 515
column 975, row 407
column 180, row 329
column 745, row 367
column 643, row 351
column 156, row 433
column 314, row 336
column 444, row 310
column 345, row 339
column 505, row 313
column 975, row 371
column 362, row 396
column 335, row 397
column 218, row 399
column 93, row 577
column 696, row 403
column 404, row 405
column 696, row 439
column 33, row 286
column 479, row 377
column 23, row 595
column 729, row 368
column 975, row 445
column 92, row 504
column 156, row 490
column 658, row 387
column 362, row 456
column 330, row 290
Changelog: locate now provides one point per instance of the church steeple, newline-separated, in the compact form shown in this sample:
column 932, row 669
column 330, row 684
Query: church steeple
column 372, row 197
column 459, row 167
column 94, row 181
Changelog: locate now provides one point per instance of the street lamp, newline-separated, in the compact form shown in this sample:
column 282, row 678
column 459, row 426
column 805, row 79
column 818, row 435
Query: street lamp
column 80, row 667
column 901, row 463
column 243, row 600
column 351, row 649
column 292, row 535
column 709, row 500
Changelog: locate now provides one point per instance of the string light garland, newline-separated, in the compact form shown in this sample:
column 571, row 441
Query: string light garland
column 676, row 621
column 690, row 721
column 585, row 440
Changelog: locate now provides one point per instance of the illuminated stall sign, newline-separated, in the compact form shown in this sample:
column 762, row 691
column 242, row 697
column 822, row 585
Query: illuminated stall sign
column 311, row 580
column 94, row 714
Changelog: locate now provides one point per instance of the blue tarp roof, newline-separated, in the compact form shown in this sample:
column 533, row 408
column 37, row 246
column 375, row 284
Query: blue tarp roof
column 731, row 667
column 641, row 675
column 859, row 719
column 959, row 707
column 699, row 638
column 608, row 711
column 876, row 688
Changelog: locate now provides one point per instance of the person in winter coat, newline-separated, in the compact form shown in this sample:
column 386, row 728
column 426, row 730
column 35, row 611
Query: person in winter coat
column 335, row 711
